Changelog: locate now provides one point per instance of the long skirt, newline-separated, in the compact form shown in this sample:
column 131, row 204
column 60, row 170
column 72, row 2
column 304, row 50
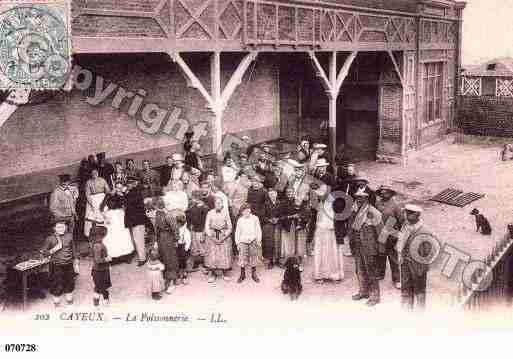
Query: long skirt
column 219, row 256
column 118, row 240
column 101, row 279
column 328, row 256
column 293, row 243
column 93, row 214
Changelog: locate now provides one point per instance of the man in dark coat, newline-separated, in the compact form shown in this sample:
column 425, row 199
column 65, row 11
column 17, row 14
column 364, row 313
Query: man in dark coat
column 366, row 225
column 270, row 243
column 414, row 272
column 391, row 211
column 135, row 218
column 345, row 183
column 105, row 169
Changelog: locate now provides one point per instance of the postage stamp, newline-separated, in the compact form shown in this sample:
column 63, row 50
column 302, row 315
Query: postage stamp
column 35, row 44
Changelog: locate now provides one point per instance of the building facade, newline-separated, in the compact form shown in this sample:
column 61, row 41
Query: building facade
column 486, row 102
column 378, row 76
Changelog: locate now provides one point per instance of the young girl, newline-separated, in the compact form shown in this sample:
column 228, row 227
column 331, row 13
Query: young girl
column 156, row 268
column 183, row 246
column 101, row 267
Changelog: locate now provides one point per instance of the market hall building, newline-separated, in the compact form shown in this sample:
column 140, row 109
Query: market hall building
column 378, row 76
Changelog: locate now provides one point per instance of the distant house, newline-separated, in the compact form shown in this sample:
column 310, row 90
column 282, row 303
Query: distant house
column 493, row 78
column 485, row 106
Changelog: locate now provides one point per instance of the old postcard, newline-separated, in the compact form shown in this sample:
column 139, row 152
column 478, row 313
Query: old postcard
column 207, row 166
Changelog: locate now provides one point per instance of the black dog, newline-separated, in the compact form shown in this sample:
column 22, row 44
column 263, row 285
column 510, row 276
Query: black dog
column 482, row 223
column 291, row 283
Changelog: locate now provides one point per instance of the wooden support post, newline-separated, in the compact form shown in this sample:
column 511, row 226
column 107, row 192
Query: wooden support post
column 217, row 106
column 332, row 121
column 396, row 67
column 217, row 99
column 332, row 83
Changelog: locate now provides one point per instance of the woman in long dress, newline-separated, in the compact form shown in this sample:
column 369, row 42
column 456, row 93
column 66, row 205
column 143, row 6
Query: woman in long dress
column 328, row 258
column 96, row 189
column 118, row 240
column 218, row 229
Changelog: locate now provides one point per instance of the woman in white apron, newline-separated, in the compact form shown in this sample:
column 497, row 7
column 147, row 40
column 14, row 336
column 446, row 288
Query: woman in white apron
column 117, row 241
column 96, row 189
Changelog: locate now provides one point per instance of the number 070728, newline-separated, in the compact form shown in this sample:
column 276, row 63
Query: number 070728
column 18, row 348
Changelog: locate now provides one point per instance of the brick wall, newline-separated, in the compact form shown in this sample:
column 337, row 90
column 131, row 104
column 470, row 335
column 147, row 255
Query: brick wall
column 485, row 116
column 39, row 141
column 390, row 117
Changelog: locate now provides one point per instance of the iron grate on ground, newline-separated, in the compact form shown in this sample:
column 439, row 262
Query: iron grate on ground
column 455, row 197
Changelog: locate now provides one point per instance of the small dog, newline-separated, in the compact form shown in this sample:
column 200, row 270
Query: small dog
column 291, row 283
column 482, row 223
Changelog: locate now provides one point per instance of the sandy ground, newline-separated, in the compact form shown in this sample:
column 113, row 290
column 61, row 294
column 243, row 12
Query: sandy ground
column 467, row 167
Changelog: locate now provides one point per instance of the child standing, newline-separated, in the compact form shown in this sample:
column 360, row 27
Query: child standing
column 196, row 217
column 62, row 274
column 101, row 267
column 183, row 246
column 248, row 236
column 156, row 268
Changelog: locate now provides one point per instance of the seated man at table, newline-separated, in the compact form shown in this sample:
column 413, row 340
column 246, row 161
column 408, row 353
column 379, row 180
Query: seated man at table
column 62, row 272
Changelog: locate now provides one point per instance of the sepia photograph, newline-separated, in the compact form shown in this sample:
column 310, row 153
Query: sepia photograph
column 218, row 164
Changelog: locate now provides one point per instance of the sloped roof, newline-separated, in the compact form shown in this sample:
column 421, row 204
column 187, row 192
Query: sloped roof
column 503, row 68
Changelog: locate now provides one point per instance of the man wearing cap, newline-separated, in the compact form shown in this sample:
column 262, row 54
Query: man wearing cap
column 391, row 211
column 366, row 225
column 63, row 201
column 105, row 169
column 413, row 272
column 360, row 183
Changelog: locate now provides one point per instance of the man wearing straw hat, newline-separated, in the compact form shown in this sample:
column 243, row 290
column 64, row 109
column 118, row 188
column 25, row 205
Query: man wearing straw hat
column 366, row 225
column 391, row 211
column 414, row 271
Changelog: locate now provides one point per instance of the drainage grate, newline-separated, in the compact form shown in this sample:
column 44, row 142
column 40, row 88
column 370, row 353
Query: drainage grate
column 455, row 197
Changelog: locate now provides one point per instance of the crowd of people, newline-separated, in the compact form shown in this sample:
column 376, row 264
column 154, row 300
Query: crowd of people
column 259, row 206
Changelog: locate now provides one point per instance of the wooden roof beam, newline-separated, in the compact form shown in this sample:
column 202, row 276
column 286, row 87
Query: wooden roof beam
column 396, row 66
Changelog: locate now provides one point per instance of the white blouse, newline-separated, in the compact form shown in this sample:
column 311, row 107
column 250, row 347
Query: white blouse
column 248, row 229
